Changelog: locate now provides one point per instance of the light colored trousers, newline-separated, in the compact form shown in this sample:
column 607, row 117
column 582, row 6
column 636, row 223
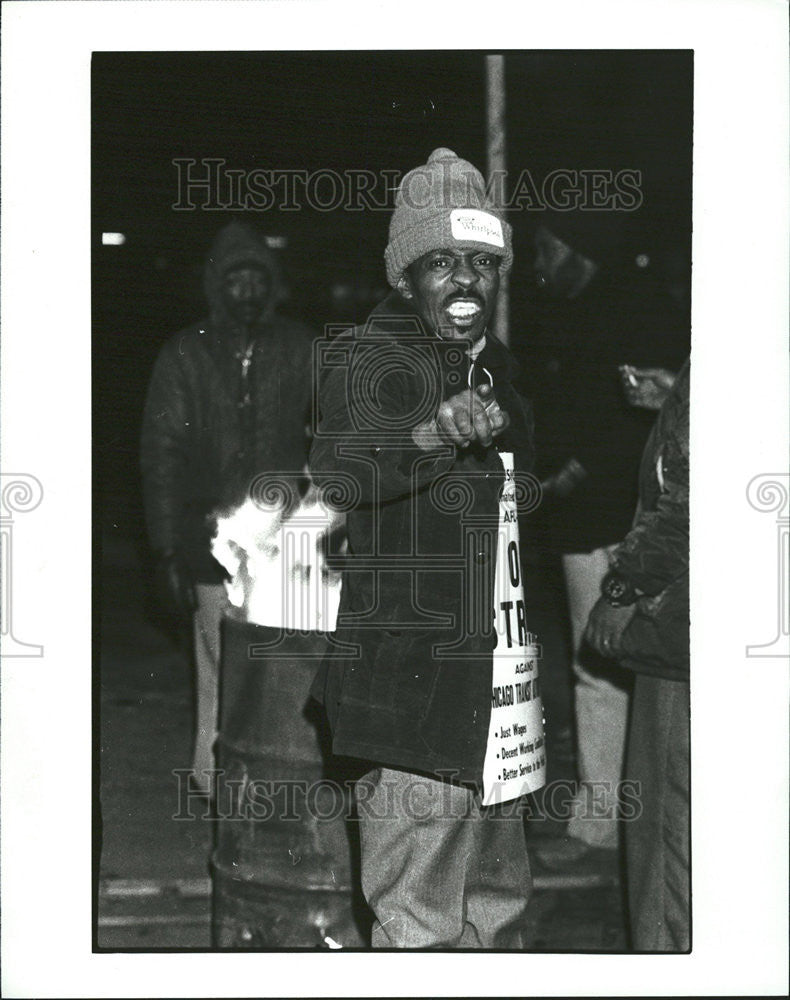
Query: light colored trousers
column 438, row 870
column 601, row 709
column 212, row 602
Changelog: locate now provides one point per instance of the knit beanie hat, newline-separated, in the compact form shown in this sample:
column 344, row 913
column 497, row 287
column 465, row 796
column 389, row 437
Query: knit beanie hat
column 443, row 204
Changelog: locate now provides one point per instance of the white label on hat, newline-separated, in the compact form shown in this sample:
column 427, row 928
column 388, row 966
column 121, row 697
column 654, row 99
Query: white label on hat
column 472, row 224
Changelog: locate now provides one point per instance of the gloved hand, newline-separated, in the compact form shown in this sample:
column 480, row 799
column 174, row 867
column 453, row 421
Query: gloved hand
column 173, row 584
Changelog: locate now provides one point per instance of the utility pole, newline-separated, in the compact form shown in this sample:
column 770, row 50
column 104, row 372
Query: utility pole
column 496, row 149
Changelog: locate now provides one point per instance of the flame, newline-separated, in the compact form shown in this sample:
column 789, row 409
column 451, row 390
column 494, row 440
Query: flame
column 279, row 575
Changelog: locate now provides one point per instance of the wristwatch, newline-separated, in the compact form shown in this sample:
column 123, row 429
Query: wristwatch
column 617, row 591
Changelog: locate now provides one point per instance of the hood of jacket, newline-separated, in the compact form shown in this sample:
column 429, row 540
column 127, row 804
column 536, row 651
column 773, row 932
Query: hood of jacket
column 235, row 245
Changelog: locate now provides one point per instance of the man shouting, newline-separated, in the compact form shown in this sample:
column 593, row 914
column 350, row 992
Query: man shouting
column 432, row 679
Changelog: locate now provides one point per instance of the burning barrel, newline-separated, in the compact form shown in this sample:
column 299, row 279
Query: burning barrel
column 282, row 863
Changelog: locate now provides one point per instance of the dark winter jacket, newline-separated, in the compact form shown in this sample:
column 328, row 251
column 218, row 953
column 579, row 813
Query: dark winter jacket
column 654, row 556
column 215, row 420
column 408, row 683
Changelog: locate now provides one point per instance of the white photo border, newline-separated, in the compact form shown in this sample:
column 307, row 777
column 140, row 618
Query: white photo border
column 739, row 430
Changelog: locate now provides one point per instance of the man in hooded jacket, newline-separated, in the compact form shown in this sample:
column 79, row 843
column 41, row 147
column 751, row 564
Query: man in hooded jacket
column 229, row 400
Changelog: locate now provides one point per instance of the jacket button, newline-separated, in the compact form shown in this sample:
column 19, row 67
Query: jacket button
column 375, row 450
column 481, row 558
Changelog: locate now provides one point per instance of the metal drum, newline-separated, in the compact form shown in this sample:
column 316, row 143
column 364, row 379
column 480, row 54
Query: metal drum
column 285, row 851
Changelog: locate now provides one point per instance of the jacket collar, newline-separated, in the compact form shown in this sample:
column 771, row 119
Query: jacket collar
column 396, row 315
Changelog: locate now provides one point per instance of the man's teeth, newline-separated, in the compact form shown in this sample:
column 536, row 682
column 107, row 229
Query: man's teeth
column 463, row 310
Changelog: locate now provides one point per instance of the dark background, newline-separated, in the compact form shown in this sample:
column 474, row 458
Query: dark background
column 346, row 110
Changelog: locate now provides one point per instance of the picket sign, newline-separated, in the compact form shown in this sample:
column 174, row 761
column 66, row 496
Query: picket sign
column 515, row 760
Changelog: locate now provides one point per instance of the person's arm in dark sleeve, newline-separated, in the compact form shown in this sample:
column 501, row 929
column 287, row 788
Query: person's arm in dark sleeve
column 655, row 552
column 164, row 452
column 364, row 432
